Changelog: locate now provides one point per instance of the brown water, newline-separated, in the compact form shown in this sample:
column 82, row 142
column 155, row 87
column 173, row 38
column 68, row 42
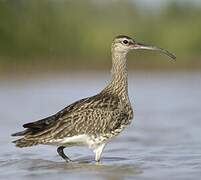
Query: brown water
column 163, row 142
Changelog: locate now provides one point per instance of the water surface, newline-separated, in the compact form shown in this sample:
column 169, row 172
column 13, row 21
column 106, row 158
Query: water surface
column 163, row 142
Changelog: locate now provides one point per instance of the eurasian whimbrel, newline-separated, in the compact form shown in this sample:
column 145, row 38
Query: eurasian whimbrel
column 91, row 121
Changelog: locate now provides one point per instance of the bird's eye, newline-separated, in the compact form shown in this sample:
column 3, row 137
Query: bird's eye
column 125, row 42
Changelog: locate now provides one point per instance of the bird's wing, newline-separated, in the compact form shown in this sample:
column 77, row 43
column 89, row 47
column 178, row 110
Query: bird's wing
column 99, row 114
column 90, row 121
column 96, row 109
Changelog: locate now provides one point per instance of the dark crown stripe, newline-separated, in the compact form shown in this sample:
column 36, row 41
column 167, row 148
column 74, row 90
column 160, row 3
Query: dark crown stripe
column 122, row 36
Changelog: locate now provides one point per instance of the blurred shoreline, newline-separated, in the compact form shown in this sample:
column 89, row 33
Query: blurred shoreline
column 62, row 71
column 14, row 68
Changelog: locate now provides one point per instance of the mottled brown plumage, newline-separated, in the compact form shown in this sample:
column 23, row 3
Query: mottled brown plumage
column 91, row 121
column 98, row 115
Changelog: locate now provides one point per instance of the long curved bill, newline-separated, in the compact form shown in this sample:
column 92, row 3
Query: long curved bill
column 153, row 48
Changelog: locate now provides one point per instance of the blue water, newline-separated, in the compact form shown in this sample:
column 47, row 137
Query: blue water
column 163, row 141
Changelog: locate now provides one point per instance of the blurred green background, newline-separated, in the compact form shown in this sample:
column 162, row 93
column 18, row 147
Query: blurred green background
column 47, row 35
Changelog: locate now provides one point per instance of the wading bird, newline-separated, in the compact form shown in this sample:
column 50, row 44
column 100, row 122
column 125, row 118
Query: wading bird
column 91, row 121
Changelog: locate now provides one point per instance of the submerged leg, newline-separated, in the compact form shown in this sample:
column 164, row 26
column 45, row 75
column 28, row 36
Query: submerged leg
column 98, row 151
column 60, row 151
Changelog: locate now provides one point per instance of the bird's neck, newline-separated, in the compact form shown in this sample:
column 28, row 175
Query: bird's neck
column 119, row 82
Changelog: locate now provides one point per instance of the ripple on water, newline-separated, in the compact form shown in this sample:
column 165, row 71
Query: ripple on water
column 31, row 168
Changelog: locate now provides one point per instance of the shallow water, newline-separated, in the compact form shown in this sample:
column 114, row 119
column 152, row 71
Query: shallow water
column 163, row 142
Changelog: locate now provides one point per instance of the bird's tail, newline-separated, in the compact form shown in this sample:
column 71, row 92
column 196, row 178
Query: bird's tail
column 25, row 143
column 33, row 134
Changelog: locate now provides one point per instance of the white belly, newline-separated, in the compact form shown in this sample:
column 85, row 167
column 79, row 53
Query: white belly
column 71, row 141
column 80, row 140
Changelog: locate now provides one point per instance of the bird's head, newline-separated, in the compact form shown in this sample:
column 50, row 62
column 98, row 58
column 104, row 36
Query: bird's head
column 123, row 44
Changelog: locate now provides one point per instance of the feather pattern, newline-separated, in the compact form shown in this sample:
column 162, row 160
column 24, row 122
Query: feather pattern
column 97, row 115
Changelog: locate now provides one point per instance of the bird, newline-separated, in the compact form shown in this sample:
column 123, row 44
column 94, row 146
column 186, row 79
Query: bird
column 91, row 121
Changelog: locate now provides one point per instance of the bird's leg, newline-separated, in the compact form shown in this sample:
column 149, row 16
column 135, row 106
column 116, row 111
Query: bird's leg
column 61, row 153
column 98, row 151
